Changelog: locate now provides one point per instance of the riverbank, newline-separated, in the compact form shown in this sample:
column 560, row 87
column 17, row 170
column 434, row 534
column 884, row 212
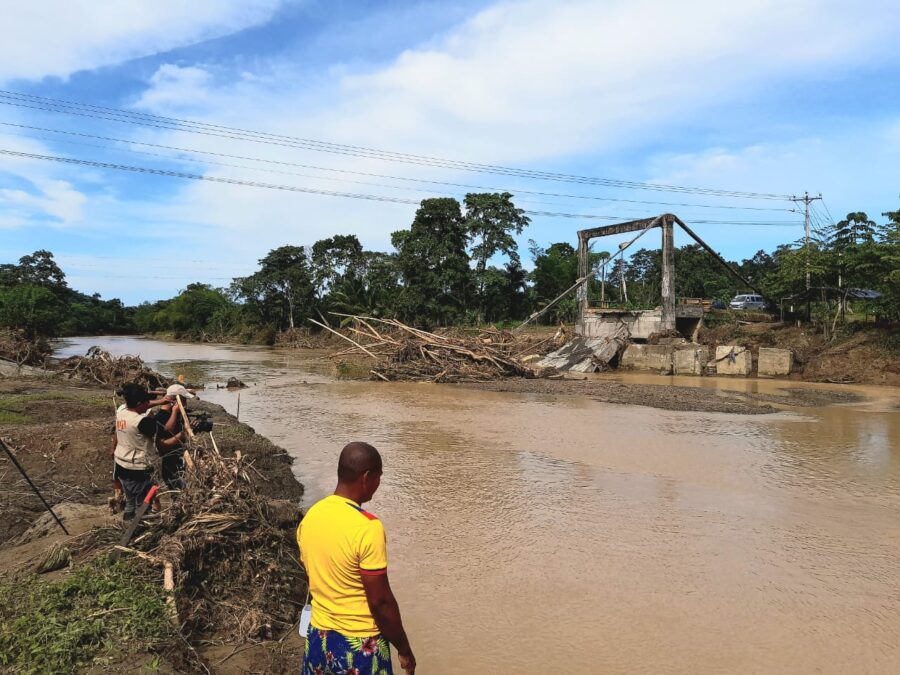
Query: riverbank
column 60, row 432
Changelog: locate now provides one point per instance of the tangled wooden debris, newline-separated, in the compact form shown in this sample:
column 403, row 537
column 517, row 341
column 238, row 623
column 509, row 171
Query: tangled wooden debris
column 16, row 347
column 228, row 550
column 401, row 352
column 100, row 366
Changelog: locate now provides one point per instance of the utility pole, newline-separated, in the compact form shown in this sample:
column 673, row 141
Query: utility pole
column 806, row 199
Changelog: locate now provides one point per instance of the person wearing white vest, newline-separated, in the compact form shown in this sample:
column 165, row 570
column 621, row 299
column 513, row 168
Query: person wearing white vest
column 135, row 447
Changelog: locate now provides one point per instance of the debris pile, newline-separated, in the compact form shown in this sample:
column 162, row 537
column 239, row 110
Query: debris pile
column 235, row 383
column 100, row 366
column 295, row 338
column 230, row 550
column 401, row 352
column 16, row 347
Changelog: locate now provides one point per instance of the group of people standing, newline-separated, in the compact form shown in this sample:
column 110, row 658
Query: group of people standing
column 343, row 547
column 142, row 435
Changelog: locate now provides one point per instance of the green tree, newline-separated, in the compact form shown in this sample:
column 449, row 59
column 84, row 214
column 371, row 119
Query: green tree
column 336, row 269
column 555, row 270
column 35, row 309
column 491, row 221
column 40, row 269
column 284, row 281
column 854, row 250
column 699, row 275
column 433, row 264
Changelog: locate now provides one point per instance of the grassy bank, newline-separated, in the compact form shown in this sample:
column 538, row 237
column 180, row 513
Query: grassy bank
column 99, row 615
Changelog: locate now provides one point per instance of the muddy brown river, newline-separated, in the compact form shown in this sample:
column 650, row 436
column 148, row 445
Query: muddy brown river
column 533, row 534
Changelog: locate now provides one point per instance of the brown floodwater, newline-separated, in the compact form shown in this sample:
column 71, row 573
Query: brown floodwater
column 534, row 534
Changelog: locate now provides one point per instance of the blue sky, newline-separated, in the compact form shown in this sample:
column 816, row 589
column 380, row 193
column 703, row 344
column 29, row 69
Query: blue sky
column 774, row 97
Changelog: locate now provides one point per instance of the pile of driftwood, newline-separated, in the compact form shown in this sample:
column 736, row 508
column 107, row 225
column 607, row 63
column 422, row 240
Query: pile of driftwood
column 100, row 366
column 16, row 347
column 401, row 352
column 228, row 551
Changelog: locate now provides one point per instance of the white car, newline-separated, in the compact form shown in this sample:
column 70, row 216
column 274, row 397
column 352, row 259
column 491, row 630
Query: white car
column 747, row 302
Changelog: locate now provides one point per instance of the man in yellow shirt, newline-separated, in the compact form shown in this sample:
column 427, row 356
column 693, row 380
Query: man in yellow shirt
column 355, row 617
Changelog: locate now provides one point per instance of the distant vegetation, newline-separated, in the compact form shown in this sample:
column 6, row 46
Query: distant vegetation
column 456, row 264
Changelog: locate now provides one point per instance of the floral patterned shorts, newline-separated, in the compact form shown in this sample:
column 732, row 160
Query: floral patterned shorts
column 331, row 653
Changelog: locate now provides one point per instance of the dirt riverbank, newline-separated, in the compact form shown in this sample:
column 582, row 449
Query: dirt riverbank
column 61, row 432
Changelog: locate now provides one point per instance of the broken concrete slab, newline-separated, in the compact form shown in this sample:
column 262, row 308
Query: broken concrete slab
column 733, row 360
column 774, row 362
column 691, row 360
column 588, row 355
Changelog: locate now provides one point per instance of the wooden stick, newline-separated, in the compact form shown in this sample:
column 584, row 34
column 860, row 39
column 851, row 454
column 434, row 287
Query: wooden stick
column 33, row 486
column 344, row 337
column 140, row 554
column 169, row 588
column 215, row 446
column 184, row 417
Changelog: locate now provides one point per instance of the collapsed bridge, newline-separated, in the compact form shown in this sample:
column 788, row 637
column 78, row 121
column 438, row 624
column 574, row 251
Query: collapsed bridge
column 601, row 334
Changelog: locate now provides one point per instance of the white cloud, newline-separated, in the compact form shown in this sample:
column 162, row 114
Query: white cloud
column 54, row 198
column 176, row 88
column 59, row 37
column 536, row 79
column 552, row 83
column 44, row 193
column 532, row 81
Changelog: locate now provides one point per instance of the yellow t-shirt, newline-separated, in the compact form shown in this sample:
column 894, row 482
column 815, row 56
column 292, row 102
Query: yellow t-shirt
column 339, row 541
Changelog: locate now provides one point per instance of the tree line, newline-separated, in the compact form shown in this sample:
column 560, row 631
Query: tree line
column 457, row 263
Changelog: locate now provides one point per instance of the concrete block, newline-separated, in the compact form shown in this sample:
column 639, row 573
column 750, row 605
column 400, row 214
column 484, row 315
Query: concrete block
column 648, row 357
column 775, row 362
column 733, row 360
column 691, row 360
column 633, row 356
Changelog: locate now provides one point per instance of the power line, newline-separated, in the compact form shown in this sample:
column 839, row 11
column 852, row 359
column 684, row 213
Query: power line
column 828, row 211
column 175, row 124
column 329, row 193
column 427, row 191
column 374, row 175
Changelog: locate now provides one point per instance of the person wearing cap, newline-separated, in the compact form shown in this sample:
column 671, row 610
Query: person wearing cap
column 134, row 438
column 170, row 436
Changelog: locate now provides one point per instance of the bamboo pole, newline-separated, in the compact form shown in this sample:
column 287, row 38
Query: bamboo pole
column 184, row 417
column 215, row 445
column 169, row 589
column 344, row 337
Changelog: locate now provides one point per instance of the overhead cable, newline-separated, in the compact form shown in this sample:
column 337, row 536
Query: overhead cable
column 175, row 124
column 379, row 175
column 330, row 193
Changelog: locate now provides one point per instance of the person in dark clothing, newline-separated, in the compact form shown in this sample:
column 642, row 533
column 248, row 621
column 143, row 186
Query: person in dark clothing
column 170, row 436
column 170, row 425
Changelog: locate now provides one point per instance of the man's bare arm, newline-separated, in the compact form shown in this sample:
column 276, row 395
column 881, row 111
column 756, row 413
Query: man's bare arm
column 386, row 613
column 173, row 418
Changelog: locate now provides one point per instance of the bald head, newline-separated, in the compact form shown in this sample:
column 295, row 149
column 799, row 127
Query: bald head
column 356, row 459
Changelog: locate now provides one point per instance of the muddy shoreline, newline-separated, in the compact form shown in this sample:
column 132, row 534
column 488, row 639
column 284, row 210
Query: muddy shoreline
column 670, row 397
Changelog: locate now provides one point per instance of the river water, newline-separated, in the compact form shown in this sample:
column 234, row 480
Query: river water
column 533, row 534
